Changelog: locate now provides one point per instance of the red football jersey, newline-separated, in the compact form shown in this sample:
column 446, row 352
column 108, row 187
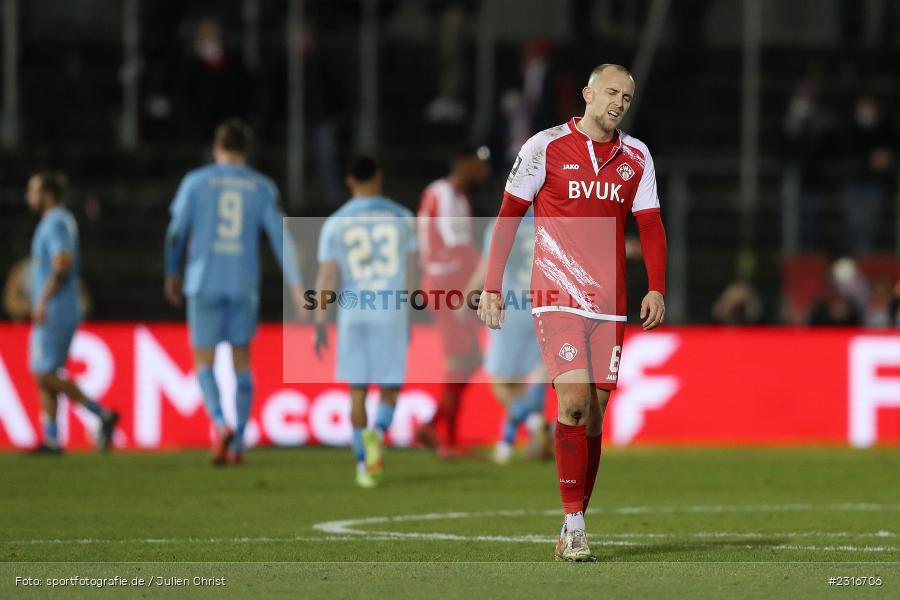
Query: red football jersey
column 445, row 231
column 580, row 206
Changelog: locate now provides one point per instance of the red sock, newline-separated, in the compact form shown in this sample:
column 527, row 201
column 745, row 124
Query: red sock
column 571, row 460
column 593, row 463
column 448, row 409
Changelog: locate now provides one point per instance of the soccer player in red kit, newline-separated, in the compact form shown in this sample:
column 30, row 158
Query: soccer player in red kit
column 583, row 177
column 448, row 257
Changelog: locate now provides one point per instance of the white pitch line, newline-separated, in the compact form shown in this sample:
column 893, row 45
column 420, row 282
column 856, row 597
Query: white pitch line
column 345, row 527
column 378, row 537
column 343, row 530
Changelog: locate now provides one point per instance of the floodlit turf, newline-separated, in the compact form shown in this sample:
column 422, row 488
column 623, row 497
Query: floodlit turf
column 684, row 523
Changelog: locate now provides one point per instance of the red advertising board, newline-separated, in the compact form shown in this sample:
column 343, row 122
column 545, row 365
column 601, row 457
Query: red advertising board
column 680, row 385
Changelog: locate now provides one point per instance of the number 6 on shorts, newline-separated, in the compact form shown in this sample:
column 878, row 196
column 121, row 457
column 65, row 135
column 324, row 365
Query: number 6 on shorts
column 614, row 359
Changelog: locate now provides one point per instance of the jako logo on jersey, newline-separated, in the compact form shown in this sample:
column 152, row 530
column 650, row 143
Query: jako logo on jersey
column 625, row 171
column 595, row 189
column 570, row 167
column 568, row 352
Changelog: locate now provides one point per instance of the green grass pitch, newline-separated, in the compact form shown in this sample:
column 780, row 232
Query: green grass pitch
column 672, row 523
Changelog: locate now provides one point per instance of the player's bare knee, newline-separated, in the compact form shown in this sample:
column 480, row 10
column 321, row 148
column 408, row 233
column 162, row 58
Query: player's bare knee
column 575, row 414
column 575, row 409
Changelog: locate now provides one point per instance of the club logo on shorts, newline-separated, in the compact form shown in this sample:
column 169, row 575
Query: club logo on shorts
column 625, row 171
column 568, row 352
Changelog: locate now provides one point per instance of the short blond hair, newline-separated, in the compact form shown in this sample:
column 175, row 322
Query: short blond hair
column 600, row 68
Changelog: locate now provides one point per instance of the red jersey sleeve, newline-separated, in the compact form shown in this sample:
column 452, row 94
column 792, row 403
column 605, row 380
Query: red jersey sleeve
column 504, row 235
column 654, row 247
column 527, row 176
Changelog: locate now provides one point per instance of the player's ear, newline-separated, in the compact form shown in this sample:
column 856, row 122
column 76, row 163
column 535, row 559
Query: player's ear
column 348, row 181
column 587, row 93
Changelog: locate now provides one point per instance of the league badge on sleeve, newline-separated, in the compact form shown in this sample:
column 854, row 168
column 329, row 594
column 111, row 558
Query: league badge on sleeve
column 514, row 170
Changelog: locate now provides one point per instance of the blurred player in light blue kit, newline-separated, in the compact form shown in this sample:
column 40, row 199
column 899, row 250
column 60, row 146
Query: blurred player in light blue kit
column 513, row 354
column 368, row 249
column 218, row 214
column 56, row 308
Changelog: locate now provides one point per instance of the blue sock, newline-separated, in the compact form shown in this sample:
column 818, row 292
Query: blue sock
column 383, row 417
column 210, row 390
column 535, row 394
column 243, row 399
column 517, row 412
column 95, row 408
column 358, row 449
column 51, row 431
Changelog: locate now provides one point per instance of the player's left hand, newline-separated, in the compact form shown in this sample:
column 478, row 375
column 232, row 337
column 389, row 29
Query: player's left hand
column 39, row 313
column 320, row 342
column 172, row 290
column 490, row 309
column 653, row 310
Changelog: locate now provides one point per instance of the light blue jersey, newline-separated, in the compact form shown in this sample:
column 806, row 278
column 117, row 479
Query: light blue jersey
column 513, row 350
column 370, row 239
column 218, row 214
column 56, row 234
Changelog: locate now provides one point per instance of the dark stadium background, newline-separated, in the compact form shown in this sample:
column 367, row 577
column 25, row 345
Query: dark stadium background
column 114, row 93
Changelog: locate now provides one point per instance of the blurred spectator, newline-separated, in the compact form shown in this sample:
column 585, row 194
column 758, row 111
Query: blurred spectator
column 809, row 130
column 835, row 310
column 452, row 20
column 214, row 83
column 868, row 149
column 545, row 100
column 325, row 106
column 878, row 311
column 847, row 296
column 17, row 291
column 738, row 304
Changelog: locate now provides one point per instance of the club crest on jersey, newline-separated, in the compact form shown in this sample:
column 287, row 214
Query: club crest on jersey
column 568, row 352
column 625, row 171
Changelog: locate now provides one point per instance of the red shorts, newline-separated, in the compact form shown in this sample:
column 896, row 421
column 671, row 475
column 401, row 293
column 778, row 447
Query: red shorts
column 569, row 341
column 458, row 328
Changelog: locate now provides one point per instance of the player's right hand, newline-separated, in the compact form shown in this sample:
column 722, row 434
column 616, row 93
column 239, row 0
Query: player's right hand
column 299, row 303
column 490, row 309
column 172, row 290
column 320, row 341
column 39, row 314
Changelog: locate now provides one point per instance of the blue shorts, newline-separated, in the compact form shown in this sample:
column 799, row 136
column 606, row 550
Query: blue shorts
column 214, row 320
column 48, row 345
column 372, row 353
column 513, row 350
